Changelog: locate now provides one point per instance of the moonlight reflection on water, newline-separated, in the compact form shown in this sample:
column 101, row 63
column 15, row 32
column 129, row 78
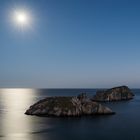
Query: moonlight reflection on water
column 14, row 123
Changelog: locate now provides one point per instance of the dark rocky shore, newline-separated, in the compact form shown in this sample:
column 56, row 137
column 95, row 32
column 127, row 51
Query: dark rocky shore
column 68, row 106
column 114, row 94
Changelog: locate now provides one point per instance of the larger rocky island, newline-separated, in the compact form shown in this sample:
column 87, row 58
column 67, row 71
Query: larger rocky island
column 68, row 106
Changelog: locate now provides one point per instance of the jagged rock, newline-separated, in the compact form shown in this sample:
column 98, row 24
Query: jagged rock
column 114, row 94
column 67, row 106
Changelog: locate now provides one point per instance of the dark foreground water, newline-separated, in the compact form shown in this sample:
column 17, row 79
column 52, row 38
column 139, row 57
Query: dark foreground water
column 14, row 125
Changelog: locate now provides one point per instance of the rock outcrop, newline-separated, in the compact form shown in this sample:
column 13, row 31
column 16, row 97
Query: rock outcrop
column 67, row 106
column 114, row 94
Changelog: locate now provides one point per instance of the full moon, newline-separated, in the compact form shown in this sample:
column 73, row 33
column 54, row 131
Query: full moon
column 21, row 19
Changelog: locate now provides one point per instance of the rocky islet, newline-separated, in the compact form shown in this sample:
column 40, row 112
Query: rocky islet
column 113, row 94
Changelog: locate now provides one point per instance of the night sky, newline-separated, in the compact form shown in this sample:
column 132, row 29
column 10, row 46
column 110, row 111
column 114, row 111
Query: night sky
column 71, row 44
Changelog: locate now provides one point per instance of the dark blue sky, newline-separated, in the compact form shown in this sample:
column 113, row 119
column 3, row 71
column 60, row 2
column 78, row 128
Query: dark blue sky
column 72, row 44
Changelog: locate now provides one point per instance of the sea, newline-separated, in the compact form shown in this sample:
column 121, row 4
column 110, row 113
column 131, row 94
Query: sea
column 15, row 125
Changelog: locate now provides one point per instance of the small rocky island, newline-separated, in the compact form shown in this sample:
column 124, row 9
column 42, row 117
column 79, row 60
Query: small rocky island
column 113, row 94
column 68, row 106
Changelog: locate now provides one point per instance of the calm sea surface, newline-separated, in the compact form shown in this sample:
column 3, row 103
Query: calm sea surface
column 15, row 125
